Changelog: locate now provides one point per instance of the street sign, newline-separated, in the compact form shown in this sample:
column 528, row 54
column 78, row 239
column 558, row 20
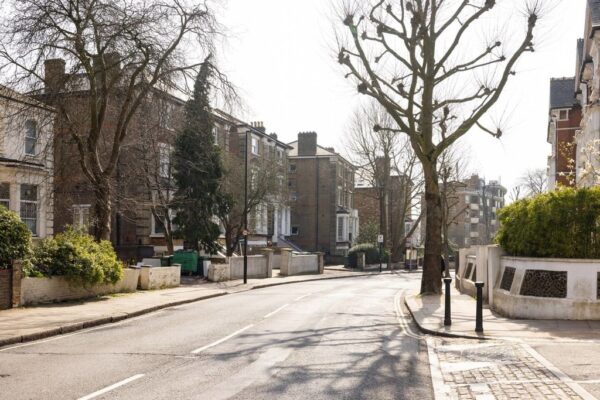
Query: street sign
column 245, row 232
column 379, row 238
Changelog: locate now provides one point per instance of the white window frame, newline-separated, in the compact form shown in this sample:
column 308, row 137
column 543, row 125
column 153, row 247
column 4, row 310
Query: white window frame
column 26, row 203
column 79, row 216
column 343, row 237
column 5, row 201
column 254, row 142
column 566, row 111
column 31, row 126
column 164, row 160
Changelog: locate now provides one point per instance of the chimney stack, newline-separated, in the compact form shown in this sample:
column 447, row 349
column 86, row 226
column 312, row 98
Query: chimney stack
column 307, row 143
column 54, row 74
column 258, row 125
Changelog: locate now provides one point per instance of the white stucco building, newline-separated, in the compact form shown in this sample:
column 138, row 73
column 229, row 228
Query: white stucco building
column 26, row 160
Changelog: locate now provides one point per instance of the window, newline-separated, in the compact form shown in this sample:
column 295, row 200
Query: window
column 215, row 134
column 5, row 195
column 341, row 229
column 29, row 207
column 158, row 228
column 295, row 230
column 164, row 155
column 31, row 136
column 340, row 199
column 279, row 154
column 166, row 117
column 255, row 149
column 81, row 217
column 292, row 168
column 563, row 115
column 293, row 196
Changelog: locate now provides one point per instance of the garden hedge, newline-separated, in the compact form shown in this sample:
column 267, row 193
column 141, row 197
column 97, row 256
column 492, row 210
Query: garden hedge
column 77, row 257
column 15, row 238
column 371, row 254
column 560, row 224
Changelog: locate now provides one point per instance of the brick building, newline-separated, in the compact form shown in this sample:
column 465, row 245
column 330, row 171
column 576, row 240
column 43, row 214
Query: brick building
column 565, row 120
column 321, row 184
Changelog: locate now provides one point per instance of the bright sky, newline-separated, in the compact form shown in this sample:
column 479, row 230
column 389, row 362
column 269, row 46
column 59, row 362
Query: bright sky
column 282, row 58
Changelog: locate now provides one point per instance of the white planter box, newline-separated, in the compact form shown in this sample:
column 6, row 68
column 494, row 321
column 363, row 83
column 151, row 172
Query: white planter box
column 160, row 277
column 49, row 290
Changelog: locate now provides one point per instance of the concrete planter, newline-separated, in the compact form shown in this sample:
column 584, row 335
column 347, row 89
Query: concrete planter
column 159, row 277
column 56, row 289
column 259, row 266
column 219, row 272
column 299, row 264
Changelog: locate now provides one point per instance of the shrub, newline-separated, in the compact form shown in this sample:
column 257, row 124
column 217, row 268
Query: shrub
column 15, row 238
column 368, row 233
column 79, row 258
column 371, row 254
column 560, row 224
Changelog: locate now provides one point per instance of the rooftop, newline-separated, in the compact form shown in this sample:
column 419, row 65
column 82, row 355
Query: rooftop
column 562, row 93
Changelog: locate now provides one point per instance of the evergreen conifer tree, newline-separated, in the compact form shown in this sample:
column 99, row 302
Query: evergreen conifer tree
column 198, row 170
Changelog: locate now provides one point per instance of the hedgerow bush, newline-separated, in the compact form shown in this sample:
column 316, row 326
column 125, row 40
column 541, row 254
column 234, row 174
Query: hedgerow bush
column 77, row 257
column 559, row 224
column 15, row 238
column 371, row 254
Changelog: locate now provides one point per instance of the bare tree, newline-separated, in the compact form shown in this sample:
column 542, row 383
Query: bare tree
column 387, row 164
column 515, row 193
column 265, row 187
column 415, row 59
column 117, row 53
column 534, row 182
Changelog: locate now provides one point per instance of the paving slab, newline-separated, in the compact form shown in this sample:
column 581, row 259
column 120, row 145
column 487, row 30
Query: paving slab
column 33, row 323
column 428, row 313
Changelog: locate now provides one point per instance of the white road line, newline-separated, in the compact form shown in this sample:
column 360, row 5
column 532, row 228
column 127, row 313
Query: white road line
column 213, row 344
column 302, row 297
column 558, row 373
column 111, row 387
column 276, row 311
column 440, row 390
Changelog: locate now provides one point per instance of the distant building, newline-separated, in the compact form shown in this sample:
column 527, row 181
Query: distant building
column 473, row 215
column 565, row 120
column 321, row 185
column 26, row 160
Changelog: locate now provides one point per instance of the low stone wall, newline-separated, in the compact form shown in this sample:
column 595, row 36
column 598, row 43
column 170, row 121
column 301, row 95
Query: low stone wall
column 259, row 266
column 300, row 264
column 159, row 277
column 219, row 273
column 5, row 289
column 547, row 288
column 478, row 263
column 56, row 289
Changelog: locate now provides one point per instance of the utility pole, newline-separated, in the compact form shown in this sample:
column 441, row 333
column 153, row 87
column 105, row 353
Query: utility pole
column 245, row 233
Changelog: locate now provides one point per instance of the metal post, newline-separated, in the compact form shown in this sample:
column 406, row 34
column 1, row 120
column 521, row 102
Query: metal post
column 246, row 211
column 380, row 256
column 447, row 310
column 479, row 314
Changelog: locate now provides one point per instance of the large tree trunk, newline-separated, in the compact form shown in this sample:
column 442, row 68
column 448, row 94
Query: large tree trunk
column 102, row 210
column 431, row 282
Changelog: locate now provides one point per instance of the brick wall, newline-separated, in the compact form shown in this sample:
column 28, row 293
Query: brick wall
column 5, row 289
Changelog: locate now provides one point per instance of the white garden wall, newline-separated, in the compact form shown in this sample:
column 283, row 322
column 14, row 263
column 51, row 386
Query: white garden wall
column 56, row 289
column 259, row 266
column 160, row 277
column 299, row 264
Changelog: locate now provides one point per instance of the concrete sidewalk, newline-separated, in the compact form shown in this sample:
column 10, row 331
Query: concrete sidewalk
column 428, row 314
column 33, row 323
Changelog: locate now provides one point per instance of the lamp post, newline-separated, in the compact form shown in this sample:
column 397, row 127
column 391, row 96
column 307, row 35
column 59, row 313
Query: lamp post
column 245, row 232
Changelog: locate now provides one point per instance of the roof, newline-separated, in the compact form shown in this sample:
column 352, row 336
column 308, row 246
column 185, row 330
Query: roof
column 12, row 95
column 562, row 93
column 321, row 152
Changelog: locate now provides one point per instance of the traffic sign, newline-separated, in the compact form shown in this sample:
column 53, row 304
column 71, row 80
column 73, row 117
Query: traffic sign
column 379, row 238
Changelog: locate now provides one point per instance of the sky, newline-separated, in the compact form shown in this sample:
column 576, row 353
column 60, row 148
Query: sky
column 281, row 55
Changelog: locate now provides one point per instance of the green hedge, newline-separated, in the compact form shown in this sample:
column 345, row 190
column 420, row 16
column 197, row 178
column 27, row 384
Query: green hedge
column 15, row 238
column 77, row 257
column 559, row 224
column 371, row 254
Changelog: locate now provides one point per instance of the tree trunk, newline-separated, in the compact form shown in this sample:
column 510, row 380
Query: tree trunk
column 431, row 282
column 102, row 211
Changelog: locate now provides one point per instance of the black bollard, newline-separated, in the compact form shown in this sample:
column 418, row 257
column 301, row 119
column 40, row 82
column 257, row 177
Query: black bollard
column 479, row 314
column 447, row 311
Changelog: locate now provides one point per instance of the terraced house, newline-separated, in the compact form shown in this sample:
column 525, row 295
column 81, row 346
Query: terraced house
column 26, row 160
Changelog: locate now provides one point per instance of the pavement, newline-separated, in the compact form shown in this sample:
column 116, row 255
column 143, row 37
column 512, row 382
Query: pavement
column 326, row 339
column 428, row 313
column 33, row 323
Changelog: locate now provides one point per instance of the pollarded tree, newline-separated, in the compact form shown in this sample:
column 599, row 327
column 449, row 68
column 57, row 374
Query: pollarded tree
column 117, row 53
column 198, row 170
column 418, row 60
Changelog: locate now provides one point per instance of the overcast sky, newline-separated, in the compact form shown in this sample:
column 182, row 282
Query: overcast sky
column 281, row 57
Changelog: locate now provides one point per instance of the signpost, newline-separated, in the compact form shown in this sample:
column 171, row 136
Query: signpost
column 380, row 241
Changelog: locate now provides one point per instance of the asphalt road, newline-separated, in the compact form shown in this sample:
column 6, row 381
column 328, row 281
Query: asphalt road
column 333, row 339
